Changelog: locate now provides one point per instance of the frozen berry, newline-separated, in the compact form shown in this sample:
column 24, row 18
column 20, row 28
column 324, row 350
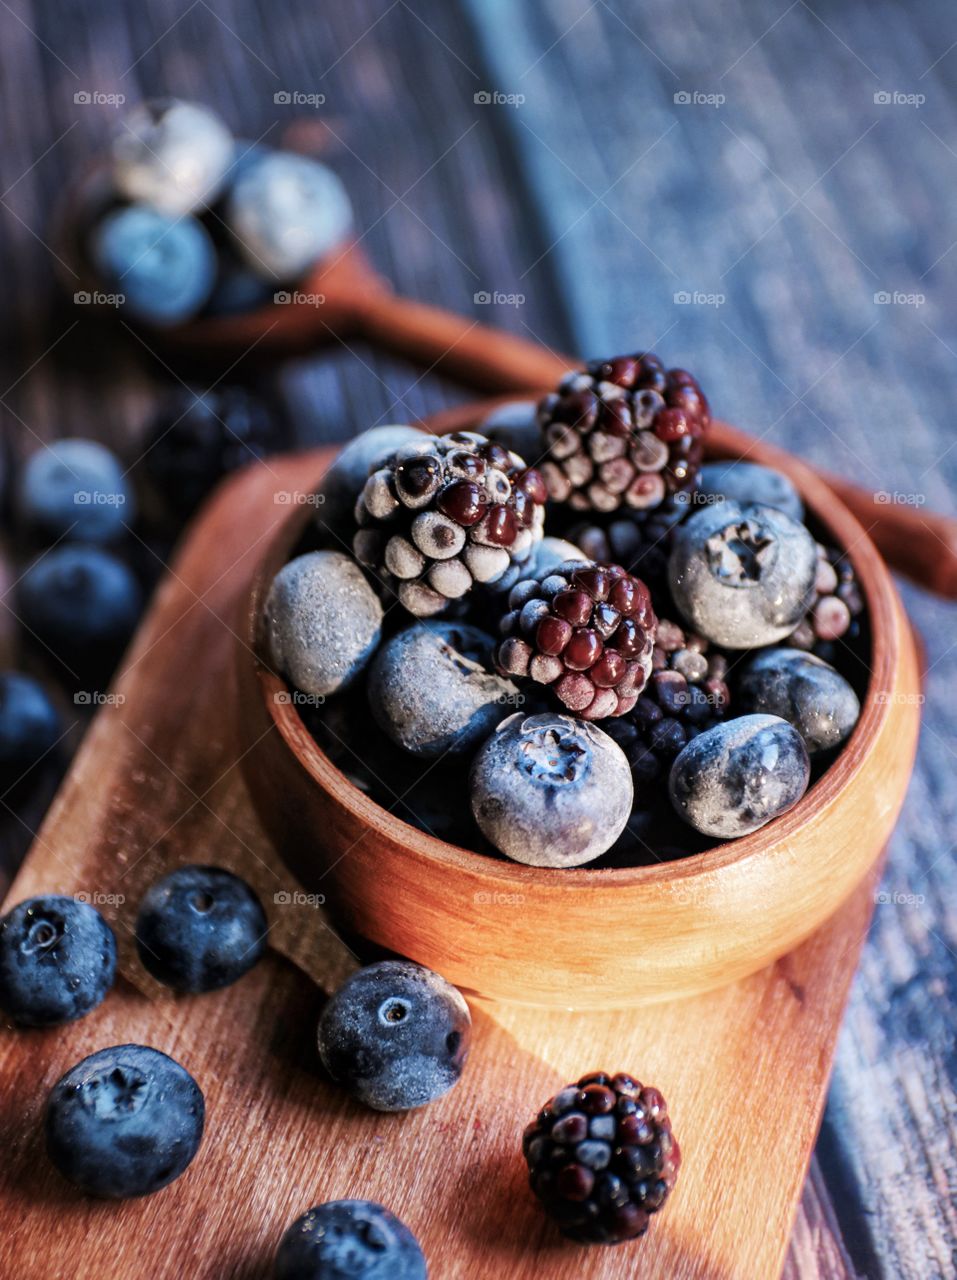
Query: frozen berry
column 200, row 928
column 803, row 690
column 639, row 540
column 625, row 433
column 734, row 778
column 172, row 155
column 124, row 1122
column 586, row 631
column 57, row 961
column 515, row 426
column 323, row 621
column 433, row 689
column 742, row 576
column 836, row 608
column 352, row 467
column 602, row 1157
column 349, row 1240
column 30, row 725
column 195, row 439
column 550, row 790
column 286, row 211
column 81, row 604
column 446, row 512
column 749, row 483
column 161, row 267
column 74, row 489
column 395, row 1035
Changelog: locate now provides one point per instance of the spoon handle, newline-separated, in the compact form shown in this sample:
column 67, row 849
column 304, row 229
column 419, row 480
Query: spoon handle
column 918, row 544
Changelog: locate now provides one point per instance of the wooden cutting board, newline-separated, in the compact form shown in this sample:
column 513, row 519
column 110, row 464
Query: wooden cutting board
column 155, row 784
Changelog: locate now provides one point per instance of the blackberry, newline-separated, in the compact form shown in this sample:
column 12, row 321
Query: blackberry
column 835, row 612
column 626, row 432
column 639, row 540
column 685, row 694
column 585, row 630
column 602, row 1157
column 443, row 513
column 194, row 440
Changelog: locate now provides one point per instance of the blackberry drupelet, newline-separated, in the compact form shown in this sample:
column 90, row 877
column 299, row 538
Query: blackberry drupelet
column 602, row 1157
column 585, row 630
column 625, row 433
column 444, row 513
column 686, row 694
column 835, row 612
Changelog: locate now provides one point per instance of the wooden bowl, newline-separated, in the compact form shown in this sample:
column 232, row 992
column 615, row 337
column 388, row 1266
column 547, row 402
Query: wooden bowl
column 585, row 937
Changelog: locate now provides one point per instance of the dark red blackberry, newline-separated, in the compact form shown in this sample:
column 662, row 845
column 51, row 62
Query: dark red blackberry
column 602, row 1157
column 835, row 612
column 686, row 694
column 585, row 630
column 195, row 439
column 625, row 433
column 446, row 512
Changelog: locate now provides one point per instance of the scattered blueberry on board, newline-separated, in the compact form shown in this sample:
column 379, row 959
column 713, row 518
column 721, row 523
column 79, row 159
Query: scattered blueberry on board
column 74, row 489
column 30, row 725
column 395, row 1035
column 57, row 961
column 163, row 265
column 200, row 928
column 81, row 603
column 195, row 439
column 737, row 776
column 602, row 1157
column 125, row 1121
column 349, row 1240
column 551, row 791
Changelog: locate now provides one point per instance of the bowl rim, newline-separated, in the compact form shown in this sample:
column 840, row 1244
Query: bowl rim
column 724, row 442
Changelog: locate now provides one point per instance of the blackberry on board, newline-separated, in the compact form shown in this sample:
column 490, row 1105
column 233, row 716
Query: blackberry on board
column 625, row 433
column 602, row 1157
column 585, row 630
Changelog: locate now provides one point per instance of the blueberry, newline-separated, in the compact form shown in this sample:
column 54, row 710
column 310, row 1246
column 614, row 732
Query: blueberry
column 200, row 928
column 514, row 425
column 803, row 690
column 29, row 724
column 323, row 621
column 57, row 961
column 124, row 1122
column 194, row 439
column 749, row 482
column 75, row 489
column 737, row 776
column 432, row 690
column 164, row 267
column 285, row 212
column 172, row 155
column 355, row 462
column 550, row 790
column 349, row 1240
column 742, row 576
column 395, row 1035
column 81, row 603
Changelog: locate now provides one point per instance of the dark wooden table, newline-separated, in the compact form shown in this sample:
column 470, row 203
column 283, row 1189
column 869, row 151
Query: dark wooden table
column 761, row 192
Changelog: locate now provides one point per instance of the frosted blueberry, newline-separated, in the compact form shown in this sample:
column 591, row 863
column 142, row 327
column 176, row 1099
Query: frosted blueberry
column 172, row 155
column 804, row 690
column 285, row 212
column 432, row 688
column 75, row 489
column 514, row 425
column 344, row 480
column 395, row 1035
column 737, row 776
column 742, row 576
column 551, row 791
column 323, row 621
column 124, row 1122
column 163, row 266
column 749, row 482
column 349, row 1238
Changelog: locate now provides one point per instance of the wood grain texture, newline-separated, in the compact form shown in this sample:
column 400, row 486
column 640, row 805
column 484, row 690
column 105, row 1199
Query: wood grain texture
column 503, row 198
column 154, row 784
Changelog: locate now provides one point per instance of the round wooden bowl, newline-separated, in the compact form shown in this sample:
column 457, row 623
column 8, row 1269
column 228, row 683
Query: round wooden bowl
column 581, row 937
